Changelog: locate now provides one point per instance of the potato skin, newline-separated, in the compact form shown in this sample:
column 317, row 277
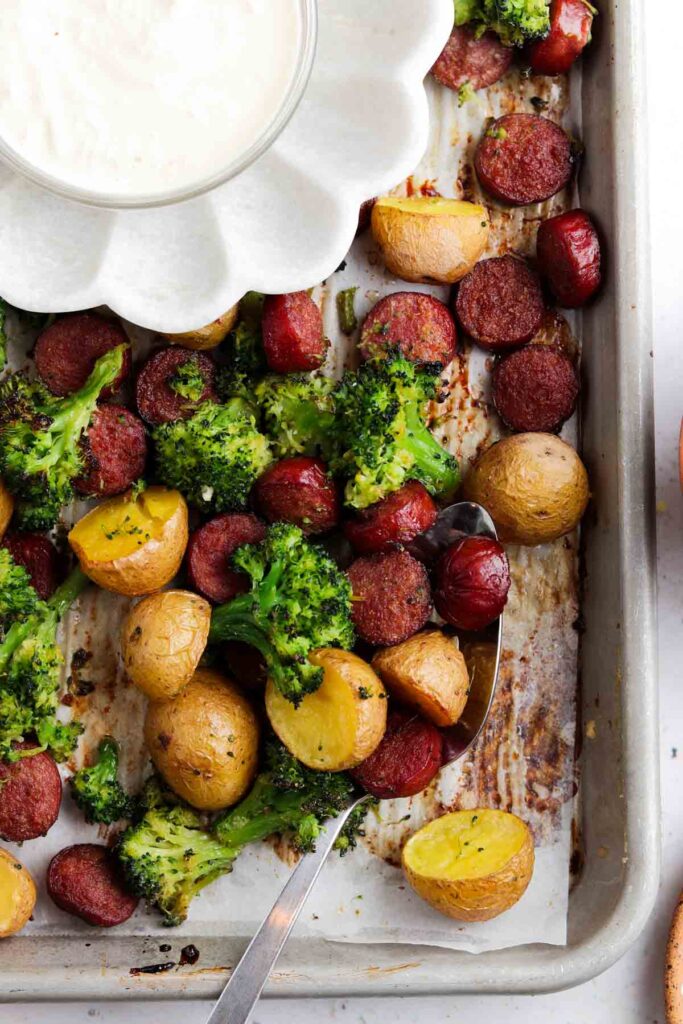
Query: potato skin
column 431, row 246
column 17, row 895
column 6, row 508
column 534, row 486
column 369, row 707
column 476, row 899
column 204, row 742
column 162, row 639
column 150, row 567
column 429, row 672
column 209, row 336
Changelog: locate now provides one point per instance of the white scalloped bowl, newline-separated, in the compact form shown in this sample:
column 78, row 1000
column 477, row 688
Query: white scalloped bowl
column 283, row 224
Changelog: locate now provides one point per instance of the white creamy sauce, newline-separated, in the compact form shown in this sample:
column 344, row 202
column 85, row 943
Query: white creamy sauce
column 142, row 96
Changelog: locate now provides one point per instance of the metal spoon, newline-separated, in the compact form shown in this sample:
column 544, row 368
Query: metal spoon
column 239, row 997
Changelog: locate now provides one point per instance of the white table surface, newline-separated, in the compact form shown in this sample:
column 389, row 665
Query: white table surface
column 630, row 993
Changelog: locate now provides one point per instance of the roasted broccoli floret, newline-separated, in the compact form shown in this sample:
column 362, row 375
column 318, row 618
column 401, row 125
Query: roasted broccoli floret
column 40, row 435
column 515, row 21
column 97, row 790
column 30, row 675
column 169, row 855
column 243, row 349
column 299, row 601
column 18, row 599
column 188, row 382
column 298, row 413
column 214, row 457
column 381, row 435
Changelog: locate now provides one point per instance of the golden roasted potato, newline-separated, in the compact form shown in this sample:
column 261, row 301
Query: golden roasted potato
column 162, row 639
column 534, row 486
column 204, row 742
column 340, row 724
column 130, row 545
column 17, row 895
column 429, row 239
column 427, row 671
column 471, row 865
column 6, row 508
column 209, row 336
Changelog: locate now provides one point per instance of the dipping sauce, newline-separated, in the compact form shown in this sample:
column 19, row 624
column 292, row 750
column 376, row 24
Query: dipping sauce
column 142, row 97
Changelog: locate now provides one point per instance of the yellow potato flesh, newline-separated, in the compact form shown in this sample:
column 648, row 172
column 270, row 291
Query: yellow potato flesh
column 321, row 731
column 466, row 844
column 119, row 527
column 17, row 895
column 434, row 206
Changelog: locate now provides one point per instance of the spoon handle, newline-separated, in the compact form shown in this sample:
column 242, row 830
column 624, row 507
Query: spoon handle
column 239, row 997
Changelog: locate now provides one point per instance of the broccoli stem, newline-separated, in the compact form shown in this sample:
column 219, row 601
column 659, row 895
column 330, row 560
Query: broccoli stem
column 263, row 812
column 431, row 460
column 57, row 606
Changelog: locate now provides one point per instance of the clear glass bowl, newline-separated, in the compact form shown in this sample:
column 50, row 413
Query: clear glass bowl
column 290, row 101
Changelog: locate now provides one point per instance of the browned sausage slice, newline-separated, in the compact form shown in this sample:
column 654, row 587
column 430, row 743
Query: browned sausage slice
column 391, row 597
column 397, row 519
column 162, row 392
column 523, row 158
column 38, row 555
column 420, row 326
column 30, row 796
column 465, row 58
column 570, row 31
column 68, row 349
column 115, row 452
column 500, row 303
column 299, row 490
column 84, row 880
column 568, row 250
column 293, row 338
column 535, row 388
column 407, row 759
column 209, row 552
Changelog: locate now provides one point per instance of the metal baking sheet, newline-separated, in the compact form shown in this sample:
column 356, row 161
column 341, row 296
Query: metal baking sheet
column 618, row 851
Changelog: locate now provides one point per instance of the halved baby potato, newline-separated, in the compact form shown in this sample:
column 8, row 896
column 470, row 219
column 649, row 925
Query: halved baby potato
column 427, row 671
column 471, row 865
column 209, row 336
column 340, row 724
column 204, row 742
column 17, row 895
column 429, row 239
column 133, row 545
column 6, row 508
column 162, row 639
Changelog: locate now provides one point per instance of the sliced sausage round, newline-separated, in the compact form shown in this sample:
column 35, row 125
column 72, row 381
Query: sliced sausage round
column 535, row 389
column 84, row 880
column 299, row 490
column 38, row 555
column 472, row 583
column 465, row 58
column 391, row 597
column 67, row 350
column 209, row 554
column 397, row 519
column 569, row 258
column 165, row 393
column 30, row 796
column 407, row 759
column 293, row 338
column 500, row 303
column 115, row 452
column 523, row 158
column 420, row 326
column 571, row 22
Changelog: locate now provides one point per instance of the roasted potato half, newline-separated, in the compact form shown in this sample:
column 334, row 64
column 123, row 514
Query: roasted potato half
column 209, row 336
column 429, row 239
column 17, row 895
column 6, row 508
column 426, row 671
column 162, row 639
column 204, row 742
column 133, row 545
column 340, row 724
column 471, row 865
column 534, row 486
